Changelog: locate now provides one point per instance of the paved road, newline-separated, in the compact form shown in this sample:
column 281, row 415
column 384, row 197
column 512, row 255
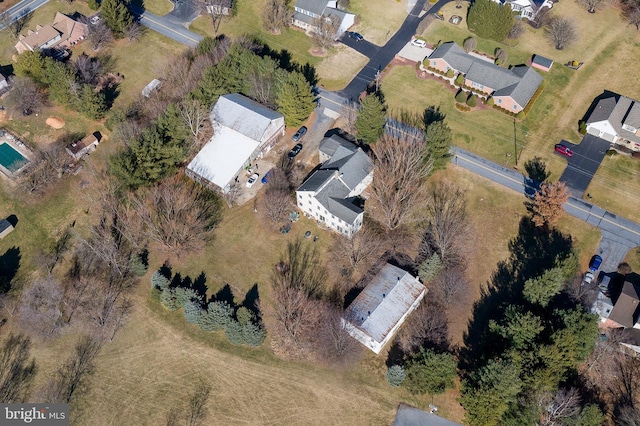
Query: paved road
column 615, row 228
column 22, row 8
column 166, row 27
column 365, row 47
column 584, row 163
column 386, row 53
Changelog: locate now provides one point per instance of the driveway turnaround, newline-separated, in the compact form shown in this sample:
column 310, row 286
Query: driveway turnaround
column 167, row 28
column 184, row 11
column 584, row 163
column 365, row 47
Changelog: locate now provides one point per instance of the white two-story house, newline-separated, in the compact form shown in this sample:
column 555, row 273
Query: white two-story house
column 527, row 9
column 307, row 12
column 330, row 194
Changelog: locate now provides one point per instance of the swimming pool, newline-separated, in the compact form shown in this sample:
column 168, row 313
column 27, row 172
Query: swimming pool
column 11, row 159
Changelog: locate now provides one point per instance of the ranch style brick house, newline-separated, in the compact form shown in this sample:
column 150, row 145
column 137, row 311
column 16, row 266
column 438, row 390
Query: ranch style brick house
column 511, row 89
column 616, row 119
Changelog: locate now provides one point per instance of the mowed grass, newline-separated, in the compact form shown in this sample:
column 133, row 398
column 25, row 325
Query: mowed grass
column 338, row 68
column 158, row 7
column 610, row 50
column 378, row 19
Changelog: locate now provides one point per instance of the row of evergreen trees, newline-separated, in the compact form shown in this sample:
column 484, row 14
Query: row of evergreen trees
column 240, row 325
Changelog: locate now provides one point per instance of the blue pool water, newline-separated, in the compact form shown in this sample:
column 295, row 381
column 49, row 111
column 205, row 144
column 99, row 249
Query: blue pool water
column 10, row 158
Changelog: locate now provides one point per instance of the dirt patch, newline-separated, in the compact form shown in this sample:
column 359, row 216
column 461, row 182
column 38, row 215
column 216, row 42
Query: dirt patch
column 55, row 122
column 318, row 52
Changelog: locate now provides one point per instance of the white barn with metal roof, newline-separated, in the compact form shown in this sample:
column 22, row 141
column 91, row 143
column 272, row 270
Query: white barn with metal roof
column 243, row 131
column 377, row 313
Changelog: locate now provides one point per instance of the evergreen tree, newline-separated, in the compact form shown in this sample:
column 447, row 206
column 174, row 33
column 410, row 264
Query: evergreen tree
column 216, row 317
column 90, row 103
column 590, row 416
column 461, row 96
column 490, row 20
column 395, row 375
column 184, row 295
column 439, row 143
column 234, row 332
column 168, row 299
column 159, row 281
column 138, row 267
column 192, row 311
column 430, row 268
column 253, row 335
column 116, row 16
column 371, row 119
column 295, row 99
column 430, row 372
column 63, row 87
column 472, row 101
column 31, row 64
column 542, row 289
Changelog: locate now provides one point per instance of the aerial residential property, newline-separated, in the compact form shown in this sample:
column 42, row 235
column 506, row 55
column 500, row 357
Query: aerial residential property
column 379, row 310
column 616, row 119
column 511, row 89
column 330, row 194
column 528, row 9
column 61, row 34
column 307, row 13
column 243, row 131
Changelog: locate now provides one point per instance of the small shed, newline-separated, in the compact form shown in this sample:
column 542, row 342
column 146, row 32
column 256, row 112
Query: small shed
column 84, row 146
column 151, row 87
column 5, row 228
column 380, row 309
column 541, row 63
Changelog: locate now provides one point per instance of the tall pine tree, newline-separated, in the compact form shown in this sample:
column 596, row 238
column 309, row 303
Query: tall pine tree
column 116, row 15
column 371, row 119
column 295, row 99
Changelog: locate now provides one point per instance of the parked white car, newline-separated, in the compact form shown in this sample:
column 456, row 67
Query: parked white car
column 419, row 43
column 588, row 277
column 252, row 179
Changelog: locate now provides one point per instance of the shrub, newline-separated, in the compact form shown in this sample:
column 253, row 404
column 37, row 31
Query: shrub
column 582, row 127
column 168, row 299
column 521, row 115
column 192, row 311
column 159, row 281
column 472, row 101
column 489, row 102
column 216, row 316
column 459, row 80
column 469, row 44
column 612, row 152
column 450, row 73
column 395, row 375
column 138, row 265
column 93, row 4
column 461, row 96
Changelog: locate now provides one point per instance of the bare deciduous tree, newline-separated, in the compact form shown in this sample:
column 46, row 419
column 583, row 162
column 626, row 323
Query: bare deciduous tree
column 194, row 115
column 349, row 115
column 262, row 84
column 401, row 168
column 88, row 69
column 591, row 5
column 560, row 31
column 134, row 32
column 452, row 285
column 546, row 207
column 276, row 203
column 178, row 213
column 217, row 9
column 356, row 252
column 45, row 171
column 426, row 326
column 196, row 409
column 276, row 15
column 542, row 17
column 633, row 16
column 516, row 31
column 99, row 35
column 25, row 96
column 337, row 344
column 326, row 29
column 448, row 224
column 16, row 370
column 73, row 376
column 40, row 313
column 558, row 407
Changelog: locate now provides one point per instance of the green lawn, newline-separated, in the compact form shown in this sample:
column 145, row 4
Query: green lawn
column 158, row 7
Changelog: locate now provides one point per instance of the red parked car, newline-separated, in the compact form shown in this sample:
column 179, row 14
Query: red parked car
column 564, row 150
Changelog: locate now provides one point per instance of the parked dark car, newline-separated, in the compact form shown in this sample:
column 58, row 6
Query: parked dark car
column 295, row 150
column 595, row 263
column 564, row 150
column 299, row 134
column 356, row 36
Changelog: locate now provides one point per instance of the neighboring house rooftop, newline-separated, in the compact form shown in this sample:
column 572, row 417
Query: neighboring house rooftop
column 64, row 27
column 313, row 6
column 625, row 311
column 619, row 111
column 520, row 82
column 383, row 304
column 5, row 228
column 244, row 115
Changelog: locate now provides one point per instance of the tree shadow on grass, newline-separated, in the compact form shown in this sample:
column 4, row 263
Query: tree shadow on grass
column 9, row 265
column 532, row 251
column 251, row 301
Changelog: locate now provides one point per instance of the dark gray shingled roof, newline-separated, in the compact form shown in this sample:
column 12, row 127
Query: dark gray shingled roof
column 313, row 6
column 519, row 82
column 317, row 180
column 541, row 60
column 618, row 110
column 329, row 145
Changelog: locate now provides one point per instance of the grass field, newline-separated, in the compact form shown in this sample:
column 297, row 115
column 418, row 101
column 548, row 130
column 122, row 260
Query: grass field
column 378, row 19
column 609, row 49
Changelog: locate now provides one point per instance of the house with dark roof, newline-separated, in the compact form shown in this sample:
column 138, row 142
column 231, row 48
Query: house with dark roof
column 616, row 119
column 307, row 12
column 243, row 130
column 626, row 309
column 5, row 228
column 527, row 9
column 63, row 33
column 377, row 313
column 330, row 194
column 511, row 89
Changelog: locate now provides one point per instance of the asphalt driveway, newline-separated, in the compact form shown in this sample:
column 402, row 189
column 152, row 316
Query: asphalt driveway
column 365, row 47
column 184, row 11
column 584, row 163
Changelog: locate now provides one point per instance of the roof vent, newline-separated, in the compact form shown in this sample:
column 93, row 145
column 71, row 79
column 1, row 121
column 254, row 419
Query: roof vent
column 384, row 295
column 368, row 313
column 398, row 278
